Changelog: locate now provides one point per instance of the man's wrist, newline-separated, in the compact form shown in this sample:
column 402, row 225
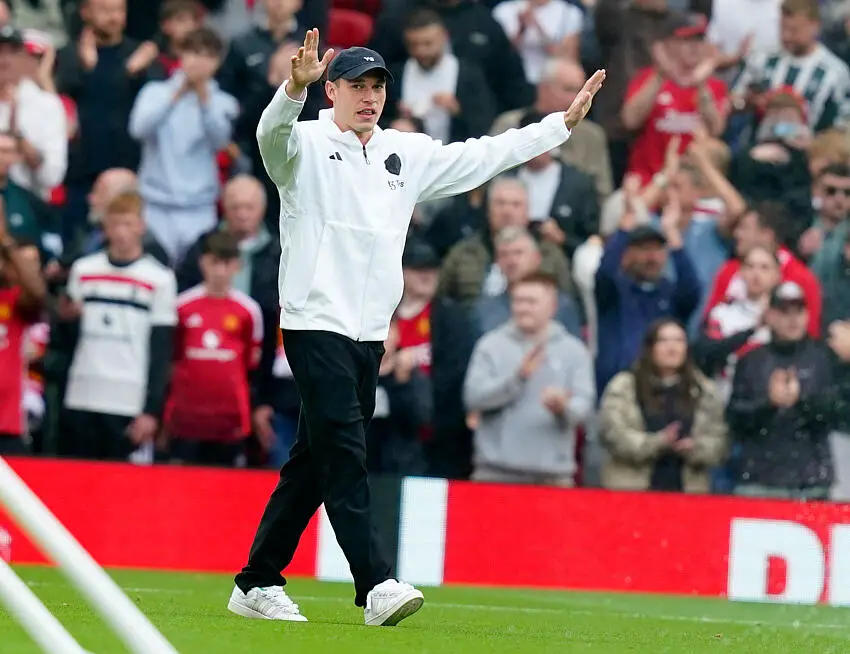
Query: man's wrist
column 295, row 91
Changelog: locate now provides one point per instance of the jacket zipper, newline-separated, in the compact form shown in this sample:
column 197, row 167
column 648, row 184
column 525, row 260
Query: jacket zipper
column 366, row 156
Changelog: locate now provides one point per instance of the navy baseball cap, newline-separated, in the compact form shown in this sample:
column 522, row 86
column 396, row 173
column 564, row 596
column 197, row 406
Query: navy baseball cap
column 352, row 63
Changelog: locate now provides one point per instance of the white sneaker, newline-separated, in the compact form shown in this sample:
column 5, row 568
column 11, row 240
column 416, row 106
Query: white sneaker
column 390, row 602
column 269, row 603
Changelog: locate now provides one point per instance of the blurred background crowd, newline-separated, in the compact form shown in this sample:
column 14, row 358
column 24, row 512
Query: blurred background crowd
column 663, row 303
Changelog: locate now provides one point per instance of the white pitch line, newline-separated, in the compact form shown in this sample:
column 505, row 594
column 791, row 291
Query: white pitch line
column 795, row 625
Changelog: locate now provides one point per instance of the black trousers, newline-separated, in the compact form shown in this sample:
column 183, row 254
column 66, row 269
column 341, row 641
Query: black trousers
column 336, row 378
column 90, row 435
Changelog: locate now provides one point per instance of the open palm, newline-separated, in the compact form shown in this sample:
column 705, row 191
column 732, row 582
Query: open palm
column 581, row 105
column 306, row 65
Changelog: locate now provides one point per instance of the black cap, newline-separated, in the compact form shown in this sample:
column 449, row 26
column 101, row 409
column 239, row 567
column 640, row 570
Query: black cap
column 419, row 255
column 8, row 34
column 686, row 26
column 352, row 63
column 645, row 234
column 787, row 293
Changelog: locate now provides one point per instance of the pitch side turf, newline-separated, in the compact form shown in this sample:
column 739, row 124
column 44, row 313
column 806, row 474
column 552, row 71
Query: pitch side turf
column 190, row 610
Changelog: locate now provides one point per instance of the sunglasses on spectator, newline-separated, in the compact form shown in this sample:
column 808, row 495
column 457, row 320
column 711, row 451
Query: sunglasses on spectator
column 835, row 190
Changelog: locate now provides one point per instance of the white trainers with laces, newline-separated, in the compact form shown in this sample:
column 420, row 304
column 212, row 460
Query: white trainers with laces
column 390, row 602
column 269, row 603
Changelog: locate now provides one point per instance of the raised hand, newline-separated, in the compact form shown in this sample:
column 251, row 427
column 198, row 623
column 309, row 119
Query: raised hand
column 306, row 65
column 581, row 105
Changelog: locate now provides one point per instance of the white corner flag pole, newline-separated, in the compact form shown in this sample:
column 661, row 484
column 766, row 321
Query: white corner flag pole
column 129, row 623
column 37, row 621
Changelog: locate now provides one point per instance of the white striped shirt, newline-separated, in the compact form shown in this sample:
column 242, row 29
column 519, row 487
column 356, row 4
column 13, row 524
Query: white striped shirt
column 820, row 77
column 120, row 304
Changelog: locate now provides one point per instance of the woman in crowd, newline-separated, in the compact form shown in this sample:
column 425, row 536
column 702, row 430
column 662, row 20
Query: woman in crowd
column 735, row 327
column 662, row 422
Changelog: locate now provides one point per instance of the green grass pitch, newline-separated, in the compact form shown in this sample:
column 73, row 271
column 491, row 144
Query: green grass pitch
column 190, row 611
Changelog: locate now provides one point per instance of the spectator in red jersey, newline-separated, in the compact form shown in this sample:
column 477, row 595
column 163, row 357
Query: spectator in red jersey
column 765, row 225
column 402, row 411
column 413, row 316
column 22, row 293
column 736, row 326
column 672, row 97
column 217, row 346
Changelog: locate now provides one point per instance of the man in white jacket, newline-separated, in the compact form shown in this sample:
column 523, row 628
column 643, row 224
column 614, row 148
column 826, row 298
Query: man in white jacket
column 347, row 190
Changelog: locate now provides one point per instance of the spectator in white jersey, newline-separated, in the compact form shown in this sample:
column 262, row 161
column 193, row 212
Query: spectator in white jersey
column 125, row 302
column 804, row 64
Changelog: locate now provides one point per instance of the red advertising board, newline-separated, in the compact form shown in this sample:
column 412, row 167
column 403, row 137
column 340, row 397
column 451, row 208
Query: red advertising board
column 648, row 542
column 159, row 517
column 204, row 519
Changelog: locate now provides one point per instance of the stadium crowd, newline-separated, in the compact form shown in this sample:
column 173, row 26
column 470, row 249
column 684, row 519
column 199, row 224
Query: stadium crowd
column 663, row 303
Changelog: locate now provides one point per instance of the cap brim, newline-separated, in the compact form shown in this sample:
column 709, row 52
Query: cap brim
column 18, row 43
column 362, row 69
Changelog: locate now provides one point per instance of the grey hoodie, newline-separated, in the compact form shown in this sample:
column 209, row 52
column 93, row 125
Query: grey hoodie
column 516, row 431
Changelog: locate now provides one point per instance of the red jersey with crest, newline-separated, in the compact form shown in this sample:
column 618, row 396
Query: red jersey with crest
column 675, row 113
column 415, row 332
column 13, row 329
column 217, row 344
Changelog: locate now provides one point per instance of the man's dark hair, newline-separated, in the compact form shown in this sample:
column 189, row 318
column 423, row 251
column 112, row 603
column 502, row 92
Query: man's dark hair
column 422, row 17
column 808, row 8
column 173, row 8
column 204, row 41
column 836, row 170
column 774, row 216
column 221, row 245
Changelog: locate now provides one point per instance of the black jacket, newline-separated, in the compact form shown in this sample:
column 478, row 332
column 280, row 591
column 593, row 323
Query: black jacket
column 449, row 452
column 246, row 65
column 575, row 207
column 392, row 438
column 789, row 183
column 103, row 104
column 476, row 36
column 785, row 448
column 478, row 106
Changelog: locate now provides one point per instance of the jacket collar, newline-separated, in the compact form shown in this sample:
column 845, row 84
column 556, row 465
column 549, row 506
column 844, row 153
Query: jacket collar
column 326, row 119
column 555, row 332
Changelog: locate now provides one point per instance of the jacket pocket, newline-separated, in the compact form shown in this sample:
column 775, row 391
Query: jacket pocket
column 300, row 253
column 341, row 270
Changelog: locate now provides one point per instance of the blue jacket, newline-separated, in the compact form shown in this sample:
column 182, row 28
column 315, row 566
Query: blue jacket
column 180, row 141
column 626, row 308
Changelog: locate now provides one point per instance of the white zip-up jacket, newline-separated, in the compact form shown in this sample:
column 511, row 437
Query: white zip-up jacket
column 345, row 207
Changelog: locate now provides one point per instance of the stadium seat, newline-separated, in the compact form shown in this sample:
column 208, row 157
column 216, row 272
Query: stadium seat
column 370, row 7
column 348, row 28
